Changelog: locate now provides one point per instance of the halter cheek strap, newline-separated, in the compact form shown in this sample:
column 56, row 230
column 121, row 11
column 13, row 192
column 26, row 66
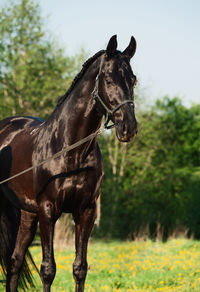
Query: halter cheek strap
column 109, row 112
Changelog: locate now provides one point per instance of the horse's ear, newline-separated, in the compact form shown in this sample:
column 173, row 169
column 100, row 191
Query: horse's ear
column 129, row 52
column 112, row 46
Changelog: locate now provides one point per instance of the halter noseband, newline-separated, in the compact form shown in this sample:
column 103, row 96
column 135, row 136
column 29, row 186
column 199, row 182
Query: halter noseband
column 109, row 112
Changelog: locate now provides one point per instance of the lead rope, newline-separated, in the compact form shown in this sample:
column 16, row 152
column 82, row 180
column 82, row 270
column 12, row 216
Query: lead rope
column 59, row 153
column 108, row 117
column 64, row 150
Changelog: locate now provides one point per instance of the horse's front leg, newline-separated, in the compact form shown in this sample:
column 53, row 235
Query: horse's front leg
column 25, row 235
column 47, row 224
column 84, row 224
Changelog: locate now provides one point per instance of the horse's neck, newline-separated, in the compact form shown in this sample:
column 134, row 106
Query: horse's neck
column 79, row 110
column 77, row 117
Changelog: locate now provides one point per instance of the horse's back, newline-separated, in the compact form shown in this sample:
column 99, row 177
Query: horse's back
column 20, row 122
column 12, row 126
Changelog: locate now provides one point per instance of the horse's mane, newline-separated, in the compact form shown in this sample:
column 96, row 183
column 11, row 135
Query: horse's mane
column 85, row 66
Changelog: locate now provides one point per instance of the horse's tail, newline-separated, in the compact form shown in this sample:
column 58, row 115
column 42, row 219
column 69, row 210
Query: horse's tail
column 9, row 225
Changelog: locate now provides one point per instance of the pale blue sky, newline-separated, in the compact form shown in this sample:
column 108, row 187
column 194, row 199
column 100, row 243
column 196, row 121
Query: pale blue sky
column 167, row 60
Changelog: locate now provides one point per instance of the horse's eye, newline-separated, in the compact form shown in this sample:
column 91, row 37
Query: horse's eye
column 108, row 81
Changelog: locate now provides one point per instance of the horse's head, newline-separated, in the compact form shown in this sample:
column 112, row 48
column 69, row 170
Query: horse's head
column 114, row 89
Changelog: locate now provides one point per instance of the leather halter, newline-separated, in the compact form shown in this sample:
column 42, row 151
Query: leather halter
column 109, row 112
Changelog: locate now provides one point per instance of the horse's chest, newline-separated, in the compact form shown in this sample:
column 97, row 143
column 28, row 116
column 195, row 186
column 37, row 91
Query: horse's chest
column 79, row 190
column 85, row 182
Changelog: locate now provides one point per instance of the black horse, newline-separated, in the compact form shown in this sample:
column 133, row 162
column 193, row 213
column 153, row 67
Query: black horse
column 69, row 182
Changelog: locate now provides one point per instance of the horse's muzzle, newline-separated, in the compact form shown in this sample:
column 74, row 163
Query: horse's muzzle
column 126, row 132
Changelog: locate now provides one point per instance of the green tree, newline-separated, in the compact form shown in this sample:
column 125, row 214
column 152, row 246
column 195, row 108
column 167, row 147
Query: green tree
column 156, row 192
column 34, row 70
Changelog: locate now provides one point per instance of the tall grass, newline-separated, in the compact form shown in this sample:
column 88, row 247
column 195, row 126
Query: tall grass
column 130, row 266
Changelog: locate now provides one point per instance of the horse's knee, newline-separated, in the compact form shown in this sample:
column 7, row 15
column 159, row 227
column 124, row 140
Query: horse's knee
column 16, row 263
column 47, row 272
column 13, row 271
column 79, row 271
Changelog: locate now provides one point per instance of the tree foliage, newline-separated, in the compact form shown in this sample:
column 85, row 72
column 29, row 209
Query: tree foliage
column 34, row 70
column 156, row 192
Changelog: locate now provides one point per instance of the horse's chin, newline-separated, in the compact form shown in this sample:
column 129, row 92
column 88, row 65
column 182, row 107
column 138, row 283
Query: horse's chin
column 126, row 131
column 124, row 138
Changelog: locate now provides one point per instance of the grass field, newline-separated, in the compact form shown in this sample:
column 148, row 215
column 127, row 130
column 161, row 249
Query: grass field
column 130, row 266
